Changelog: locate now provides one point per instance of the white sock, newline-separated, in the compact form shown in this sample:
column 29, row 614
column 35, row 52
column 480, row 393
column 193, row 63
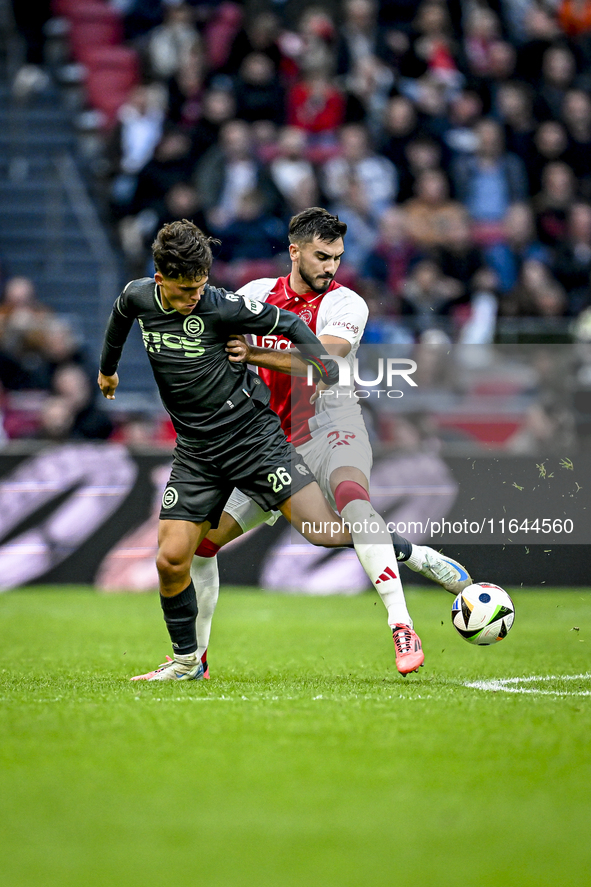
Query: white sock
column 378, row 559
column 205, row 576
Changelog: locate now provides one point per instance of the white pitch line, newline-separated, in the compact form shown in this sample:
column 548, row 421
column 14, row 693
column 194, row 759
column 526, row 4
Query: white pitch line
column 502, row 685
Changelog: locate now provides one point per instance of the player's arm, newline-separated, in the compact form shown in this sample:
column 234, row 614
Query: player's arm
column 250, row 316
column 118, row 327
column 285, row 361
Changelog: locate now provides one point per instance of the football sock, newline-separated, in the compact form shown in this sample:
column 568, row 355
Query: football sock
column 402, row 547
column 377, row 557
column 205, row 576
column 180, row 613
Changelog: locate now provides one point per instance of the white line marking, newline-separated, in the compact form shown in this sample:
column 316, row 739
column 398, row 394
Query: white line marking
column 511, row 685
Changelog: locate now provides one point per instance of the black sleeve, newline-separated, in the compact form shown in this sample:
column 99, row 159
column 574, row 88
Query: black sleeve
column 118, row 327
column 249, row 316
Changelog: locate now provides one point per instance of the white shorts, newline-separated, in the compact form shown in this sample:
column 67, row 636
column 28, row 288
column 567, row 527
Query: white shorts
column 328, row 448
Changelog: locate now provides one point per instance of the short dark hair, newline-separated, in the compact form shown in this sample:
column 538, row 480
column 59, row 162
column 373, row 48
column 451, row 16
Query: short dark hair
column 181, row 249
column 316, row 222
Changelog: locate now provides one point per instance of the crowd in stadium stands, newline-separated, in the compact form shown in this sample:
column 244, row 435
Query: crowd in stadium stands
column 454, row 138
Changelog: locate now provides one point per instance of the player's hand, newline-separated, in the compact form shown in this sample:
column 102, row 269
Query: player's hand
column 238, row 349
column 320, row 386
column 107, row 384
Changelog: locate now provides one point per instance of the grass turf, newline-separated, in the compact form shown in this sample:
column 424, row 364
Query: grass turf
column 306, row 760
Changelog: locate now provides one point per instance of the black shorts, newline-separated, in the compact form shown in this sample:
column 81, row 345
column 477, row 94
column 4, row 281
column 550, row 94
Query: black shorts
column 256, row 458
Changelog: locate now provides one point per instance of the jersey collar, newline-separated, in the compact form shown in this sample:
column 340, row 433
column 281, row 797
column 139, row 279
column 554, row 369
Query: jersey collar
column 158, row 300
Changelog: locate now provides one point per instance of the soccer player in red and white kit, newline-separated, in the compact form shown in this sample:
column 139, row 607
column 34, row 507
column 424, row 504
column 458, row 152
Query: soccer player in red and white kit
column 330, row 433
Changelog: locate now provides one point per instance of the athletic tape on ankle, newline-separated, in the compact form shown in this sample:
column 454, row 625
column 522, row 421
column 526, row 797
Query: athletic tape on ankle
column 347, row 491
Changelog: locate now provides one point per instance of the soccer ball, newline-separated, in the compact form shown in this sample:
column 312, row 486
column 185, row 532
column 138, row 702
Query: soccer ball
column 483, row 613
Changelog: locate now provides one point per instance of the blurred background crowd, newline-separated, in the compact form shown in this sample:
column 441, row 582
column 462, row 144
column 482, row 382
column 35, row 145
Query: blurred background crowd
column 453, row 138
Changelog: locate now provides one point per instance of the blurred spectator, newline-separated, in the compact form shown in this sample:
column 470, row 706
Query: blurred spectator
column 358, row 35
column 558, row 73
column 171, row 43
column 217, row 108
column 132, row 144
column 421, row 154
column 88, row 421
column 550, row 144
column 24, row 321
column 426, row 295
column 573, row 259
column 491, row 180
column 481, row 31
column 186, row 91
column 290, row 169
column 254, row 233
column 259, row 95
column 261, row 34
column 514, row 109
column 518, row 244
column 56, row 419
column 541, row 31
column 316, row 105
column 458, row 257
column 172, row 162
column 399, row 127
column 386, row 266
column 354, row 208
column 576, row 114
column 429, row 215
column 369, row 88
column 375, row 174
column 553, row 201
column 536, row 294
column 228, row 171
column 465, row 109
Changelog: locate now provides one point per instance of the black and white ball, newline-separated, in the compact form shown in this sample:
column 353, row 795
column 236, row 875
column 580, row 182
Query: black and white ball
column 483, row 613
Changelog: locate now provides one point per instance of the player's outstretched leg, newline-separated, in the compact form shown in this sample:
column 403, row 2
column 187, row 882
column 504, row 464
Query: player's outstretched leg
column 309, row 513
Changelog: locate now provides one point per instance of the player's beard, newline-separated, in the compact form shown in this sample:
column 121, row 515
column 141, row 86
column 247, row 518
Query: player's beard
column 309, row 281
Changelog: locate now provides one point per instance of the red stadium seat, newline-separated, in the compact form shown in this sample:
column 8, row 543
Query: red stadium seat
column 107, row 89
column 113, row 58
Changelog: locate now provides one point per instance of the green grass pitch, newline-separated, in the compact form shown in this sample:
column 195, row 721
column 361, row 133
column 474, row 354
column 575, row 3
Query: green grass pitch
column 306, row 761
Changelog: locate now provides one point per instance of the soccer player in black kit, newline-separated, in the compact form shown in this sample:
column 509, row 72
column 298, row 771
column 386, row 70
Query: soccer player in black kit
column 227, row 436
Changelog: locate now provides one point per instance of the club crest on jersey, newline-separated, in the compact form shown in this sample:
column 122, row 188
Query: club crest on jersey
column 193, row 326
column 170, row 497
column 306, row 316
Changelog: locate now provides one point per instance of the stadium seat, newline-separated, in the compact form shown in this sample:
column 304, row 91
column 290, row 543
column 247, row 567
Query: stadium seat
column 107, row 89
column 113, row 58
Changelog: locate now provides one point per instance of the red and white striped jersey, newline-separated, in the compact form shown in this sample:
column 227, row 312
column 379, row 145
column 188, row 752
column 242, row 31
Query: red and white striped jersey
column 337, row 312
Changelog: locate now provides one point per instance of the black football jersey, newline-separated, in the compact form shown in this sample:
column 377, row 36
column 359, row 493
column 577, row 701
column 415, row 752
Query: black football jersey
column 200, row 388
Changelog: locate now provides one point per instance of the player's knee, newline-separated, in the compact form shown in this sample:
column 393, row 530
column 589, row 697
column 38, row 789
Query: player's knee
column 170, row 565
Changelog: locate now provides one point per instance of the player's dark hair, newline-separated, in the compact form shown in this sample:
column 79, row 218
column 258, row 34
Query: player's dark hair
column 316, row 222
column 181, row 249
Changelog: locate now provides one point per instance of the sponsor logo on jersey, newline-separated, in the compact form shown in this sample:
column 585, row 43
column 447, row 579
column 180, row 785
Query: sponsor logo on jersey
column 155, row 341
column 253, row 306
column 170, row 497
column 272, row 342
column 352, row 327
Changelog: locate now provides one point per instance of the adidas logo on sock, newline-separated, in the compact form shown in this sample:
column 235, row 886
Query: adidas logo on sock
column 386, row 575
